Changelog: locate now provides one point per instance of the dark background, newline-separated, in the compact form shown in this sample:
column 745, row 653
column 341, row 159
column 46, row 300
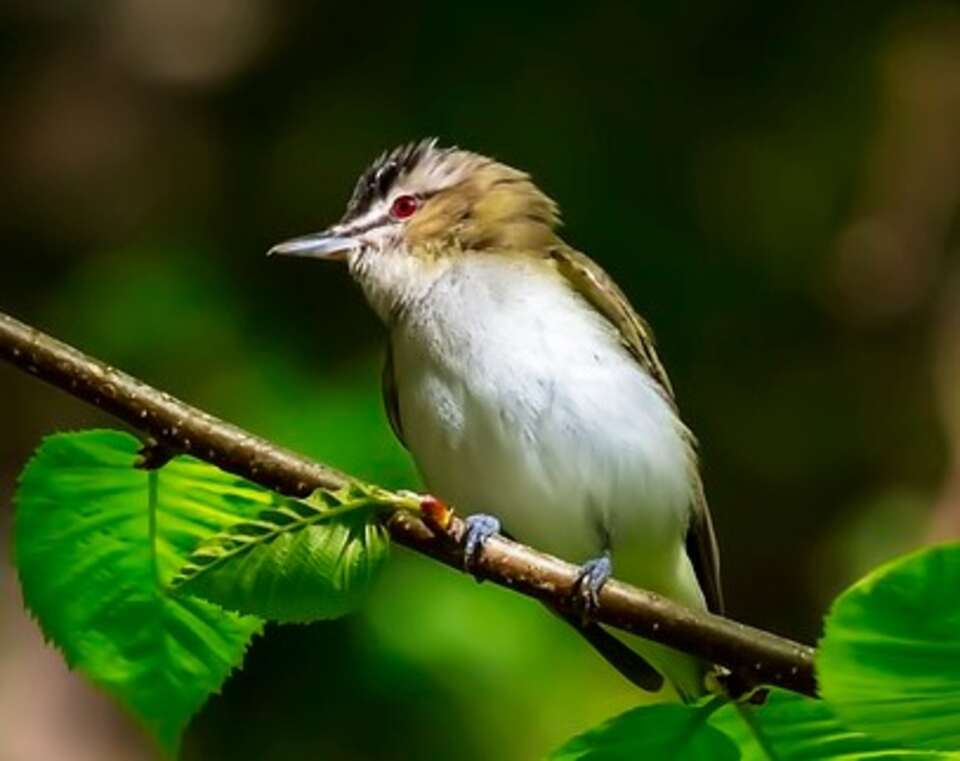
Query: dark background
column 775, row 188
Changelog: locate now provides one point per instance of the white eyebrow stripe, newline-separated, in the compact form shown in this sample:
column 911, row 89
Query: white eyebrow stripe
column 376, row 213
column 359, row 229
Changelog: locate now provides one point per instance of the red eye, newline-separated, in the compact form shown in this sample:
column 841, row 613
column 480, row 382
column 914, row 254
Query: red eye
column 403, row 207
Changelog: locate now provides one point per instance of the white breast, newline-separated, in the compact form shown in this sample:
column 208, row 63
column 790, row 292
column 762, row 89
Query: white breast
column 517, row 399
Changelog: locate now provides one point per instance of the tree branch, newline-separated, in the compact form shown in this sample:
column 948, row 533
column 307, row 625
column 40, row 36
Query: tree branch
column 753, row 655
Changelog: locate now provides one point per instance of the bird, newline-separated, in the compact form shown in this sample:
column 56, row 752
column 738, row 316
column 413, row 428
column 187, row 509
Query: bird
column 527, row 388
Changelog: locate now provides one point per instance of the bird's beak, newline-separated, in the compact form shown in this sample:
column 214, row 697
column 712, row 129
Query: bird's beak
column 323, row 245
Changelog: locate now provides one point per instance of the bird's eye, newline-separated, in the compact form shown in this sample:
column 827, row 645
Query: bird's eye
column 403, row 207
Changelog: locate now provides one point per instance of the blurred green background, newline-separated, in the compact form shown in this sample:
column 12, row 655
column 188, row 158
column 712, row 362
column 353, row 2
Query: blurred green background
column 776, row 188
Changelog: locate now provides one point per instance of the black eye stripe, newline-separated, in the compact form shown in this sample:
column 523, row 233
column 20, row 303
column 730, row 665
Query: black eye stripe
column 385, row 218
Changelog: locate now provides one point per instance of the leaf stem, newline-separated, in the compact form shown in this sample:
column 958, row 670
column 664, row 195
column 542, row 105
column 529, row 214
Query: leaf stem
column 746, row 713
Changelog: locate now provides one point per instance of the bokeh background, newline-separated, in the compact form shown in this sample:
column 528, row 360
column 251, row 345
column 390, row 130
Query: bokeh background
column 776, row 188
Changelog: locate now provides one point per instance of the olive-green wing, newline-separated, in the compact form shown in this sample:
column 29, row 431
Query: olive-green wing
column 703, row 551
column 391, row 399
column 598, row 289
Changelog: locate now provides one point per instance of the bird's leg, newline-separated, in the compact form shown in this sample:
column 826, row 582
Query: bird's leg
column 477, row 528
column 480, row 527
column 590, row 580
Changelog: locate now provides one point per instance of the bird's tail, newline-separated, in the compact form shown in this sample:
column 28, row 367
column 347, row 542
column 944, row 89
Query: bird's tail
column 642, row 662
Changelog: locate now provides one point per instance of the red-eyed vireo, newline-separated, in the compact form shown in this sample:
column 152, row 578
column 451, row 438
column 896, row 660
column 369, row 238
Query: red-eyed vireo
column 525, row 385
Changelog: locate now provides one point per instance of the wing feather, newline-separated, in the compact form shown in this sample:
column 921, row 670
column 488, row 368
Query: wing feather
column 391, row 398
column 588, row 279
column 703, row 551
column 599, row 290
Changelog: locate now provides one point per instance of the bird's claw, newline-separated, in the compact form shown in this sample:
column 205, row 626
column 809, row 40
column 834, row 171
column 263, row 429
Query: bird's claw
column 479, row 528
column 590, row 580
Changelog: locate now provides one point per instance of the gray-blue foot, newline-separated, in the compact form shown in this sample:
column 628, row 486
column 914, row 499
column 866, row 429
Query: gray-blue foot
column 480, row 527
column 593, row 575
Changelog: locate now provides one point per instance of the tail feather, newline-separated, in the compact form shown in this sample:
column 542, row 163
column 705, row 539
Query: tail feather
column 643, row 663
column 618, row 654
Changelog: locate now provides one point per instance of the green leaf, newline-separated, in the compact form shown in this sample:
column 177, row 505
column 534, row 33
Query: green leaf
column 97, row 541
column 787, row 727
column 661, row 731
column 302, row 560
column 790, row 727
column 889, row 661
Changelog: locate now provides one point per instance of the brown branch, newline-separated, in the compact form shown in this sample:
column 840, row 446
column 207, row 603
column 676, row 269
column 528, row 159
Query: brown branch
column 754, row 656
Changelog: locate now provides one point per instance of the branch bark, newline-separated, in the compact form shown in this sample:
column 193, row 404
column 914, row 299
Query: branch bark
column 754, row 656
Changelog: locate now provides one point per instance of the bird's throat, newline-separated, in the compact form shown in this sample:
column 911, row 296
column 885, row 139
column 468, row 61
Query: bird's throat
column 394, row 280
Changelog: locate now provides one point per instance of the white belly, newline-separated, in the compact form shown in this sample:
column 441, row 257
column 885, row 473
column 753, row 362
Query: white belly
column 517, row 399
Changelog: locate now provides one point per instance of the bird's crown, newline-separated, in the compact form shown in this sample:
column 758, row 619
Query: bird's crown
column 434, row 197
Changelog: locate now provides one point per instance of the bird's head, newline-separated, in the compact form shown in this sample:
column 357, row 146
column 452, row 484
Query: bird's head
column 417, row 208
